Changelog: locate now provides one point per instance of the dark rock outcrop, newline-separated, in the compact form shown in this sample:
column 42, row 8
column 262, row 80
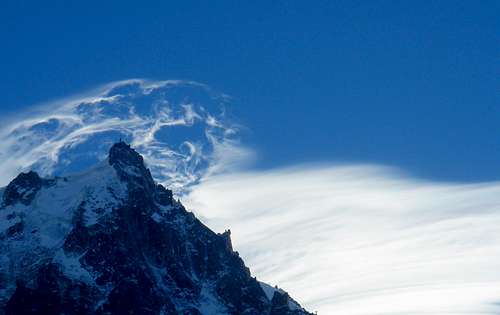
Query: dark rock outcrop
column 22, row 189
column 149, row 255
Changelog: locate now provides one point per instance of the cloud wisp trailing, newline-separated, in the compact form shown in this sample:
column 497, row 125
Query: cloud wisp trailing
column 363, row 239
column 180, row 127
column 343, row 239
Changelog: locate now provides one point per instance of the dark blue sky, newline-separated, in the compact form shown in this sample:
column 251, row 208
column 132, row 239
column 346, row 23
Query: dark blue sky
column 407, row 84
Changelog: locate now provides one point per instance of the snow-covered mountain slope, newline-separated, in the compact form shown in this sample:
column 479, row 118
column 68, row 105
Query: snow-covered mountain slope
column 112, row 241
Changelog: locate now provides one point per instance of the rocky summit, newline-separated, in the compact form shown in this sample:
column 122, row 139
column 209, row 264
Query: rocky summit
column 112, row 241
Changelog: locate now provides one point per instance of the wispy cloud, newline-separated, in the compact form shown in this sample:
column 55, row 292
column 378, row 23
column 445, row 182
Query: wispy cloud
column 343, row 239
column 363, row 239
column 179, row 126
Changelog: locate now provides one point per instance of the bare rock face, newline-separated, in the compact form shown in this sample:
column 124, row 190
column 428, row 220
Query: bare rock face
column 22, row 189
column 118, row 243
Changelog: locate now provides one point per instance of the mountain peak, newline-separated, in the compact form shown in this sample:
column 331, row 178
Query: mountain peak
column 123, row 153
column 129, row 165
column 112, row 241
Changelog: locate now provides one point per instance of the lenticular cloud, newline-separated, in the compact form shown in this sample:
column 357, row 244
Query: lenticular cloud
column 180, row 127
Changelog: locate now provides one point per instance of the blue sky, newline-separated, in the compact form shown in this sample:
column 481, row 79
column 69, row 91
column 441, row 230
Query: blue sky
column 328, row 95
column 406, row 84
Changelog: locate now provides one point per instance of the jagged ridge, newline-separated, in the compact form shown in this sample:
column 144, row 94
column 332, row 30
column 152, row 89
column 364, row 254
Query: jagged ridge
column 118, row 243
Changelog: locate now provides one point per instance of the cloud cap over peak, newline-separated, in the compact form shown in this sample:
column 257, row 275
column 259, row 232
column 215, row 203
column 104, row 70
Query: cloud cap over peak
column 180, row 127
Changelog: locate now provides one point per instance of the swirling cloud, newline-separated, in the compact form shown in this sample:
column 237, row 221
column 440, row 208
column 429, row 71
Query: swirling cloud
column 180, row 127
column 358, row 239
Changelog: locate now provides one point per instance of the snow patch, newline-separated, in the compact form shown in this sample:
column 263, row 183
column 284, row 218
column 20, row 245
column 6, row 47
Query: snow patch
column 269, row 290
column 209, row 303
column 104, row 195
column 293, row 305
column 72, row 267
column 48, row 219
column 156, row 217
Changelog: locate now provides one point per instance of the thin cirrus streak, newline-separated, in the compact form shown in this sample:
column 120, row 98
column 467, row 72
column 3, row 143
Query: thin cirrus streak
column 363, row 239
column 342, row 239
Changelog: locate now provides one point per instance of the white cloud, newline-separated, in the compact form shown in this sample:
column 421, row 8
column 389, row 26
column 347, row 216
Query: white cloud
column 178, row 126
column 350, row 239
column 362, row 239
